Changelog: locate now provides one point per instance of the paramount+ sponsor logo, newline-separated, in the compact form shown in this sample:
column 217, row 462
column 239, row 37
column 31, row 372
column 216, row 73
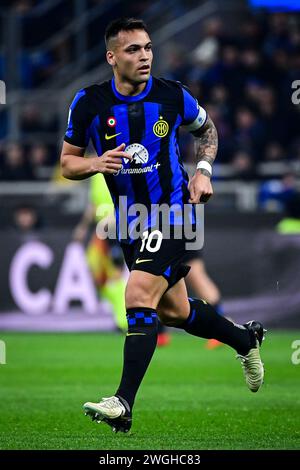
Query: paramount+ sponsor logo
column 140, row 157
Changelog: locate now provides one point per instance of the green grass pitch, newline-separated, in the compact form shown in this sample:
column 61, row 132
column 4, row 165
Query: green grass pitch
column 191, row 398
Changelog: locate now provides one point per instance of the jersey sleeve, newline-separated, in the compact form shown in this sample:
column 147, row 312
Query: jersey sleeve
column 194, row 116
column 77, row 132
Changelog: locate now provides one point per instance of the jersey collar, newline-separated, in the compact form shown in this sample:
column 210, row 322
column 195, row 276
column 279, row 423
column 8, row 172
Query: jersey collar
column 130, row 99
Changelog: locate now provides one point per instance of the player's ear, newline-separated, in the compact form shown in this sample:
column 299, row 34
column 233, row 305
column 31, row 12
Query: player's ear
column 110, row 58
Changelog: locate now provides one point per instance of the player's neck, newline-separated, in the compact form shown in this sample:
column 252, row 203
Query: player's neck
column 127, row 88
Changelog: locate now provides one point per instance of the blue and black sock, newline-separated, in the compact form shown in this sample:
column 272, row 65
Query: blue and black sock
column 205, row 322
column 219, row 308
column 139, row 347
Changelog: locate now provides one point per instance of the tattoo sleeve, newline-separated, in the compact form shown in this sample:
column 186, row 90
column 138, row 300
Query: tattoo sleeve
column 206, row 144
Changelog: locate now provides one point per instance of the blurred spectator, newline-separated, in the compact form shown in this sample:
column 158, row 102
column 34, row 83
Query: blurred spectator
column 280, row 68
column 270, row 116
column 252, row 90
column 31, row 120
column 15, row 167
column 253, row 65
column 22, row 6
column 26, row 221
column 38, row 157
column 243, row 166
column 220, row 98
column 206, row 52
column 228, row 71
column 274, row 152
column 275, row 194
column 251, row 33
column 41, row 66
column 278, row 37
column 249, row 132
column 34, row 121
column 177, row 67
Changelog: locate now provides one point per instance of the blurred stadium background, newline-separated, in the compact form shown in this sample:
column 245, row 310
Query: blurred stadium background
column 241, row 60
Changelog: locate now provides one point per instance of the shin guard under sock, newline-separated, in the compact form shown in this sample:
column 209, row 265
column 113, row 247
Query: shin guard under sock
column 205, row 322
column 139, row 347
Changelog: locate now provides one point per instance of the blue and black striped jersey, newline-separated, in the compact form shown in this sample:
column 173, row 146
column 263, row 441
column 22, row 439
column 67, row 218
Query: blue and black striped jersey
column 148, row 124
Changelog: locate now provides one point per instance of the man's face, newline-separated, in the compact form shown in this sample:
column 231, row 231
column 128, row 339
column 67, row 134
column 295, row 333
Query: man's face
column 130, row 54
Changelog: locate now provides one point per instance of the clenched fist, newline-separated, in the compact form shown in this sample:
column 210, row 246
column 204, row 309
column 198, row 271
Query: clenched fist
column 200, row 188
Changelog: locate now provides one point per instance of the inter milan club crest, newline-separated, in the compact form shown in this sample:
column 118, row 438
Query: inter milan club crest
column 111, row 121
column 161, row 127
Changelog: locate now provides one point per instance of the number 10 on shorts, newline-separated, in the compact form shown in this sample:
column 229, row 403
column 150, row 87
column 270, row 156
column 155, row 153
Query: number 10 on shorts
column 148, row 238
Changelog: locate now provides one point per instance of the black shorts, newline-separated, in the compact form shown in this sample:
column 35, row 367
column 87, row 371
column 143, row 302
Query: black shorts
column 193, row 255
column 159, row 256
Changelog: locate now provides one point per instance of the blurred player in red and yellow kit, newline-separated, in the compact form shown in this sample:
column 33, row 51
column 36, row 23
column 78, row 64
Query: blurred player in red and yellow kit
column 104, row 257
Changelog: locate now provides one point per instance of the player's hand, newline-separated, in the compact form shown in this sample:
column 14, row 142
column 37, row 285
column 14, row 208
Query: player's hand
column 111, row 161
column 200, row 188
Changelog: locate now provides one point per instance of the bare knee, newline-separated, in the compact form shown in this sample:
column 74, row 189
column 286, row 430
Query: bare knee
column 137, row 296
column 144, row 290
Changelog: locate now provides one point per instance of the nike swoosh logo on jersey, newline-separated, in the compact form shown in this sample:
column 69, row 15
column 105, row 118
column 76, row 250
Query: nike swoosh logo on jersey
column 108, row 137
column 142, row 260
column 136, row 334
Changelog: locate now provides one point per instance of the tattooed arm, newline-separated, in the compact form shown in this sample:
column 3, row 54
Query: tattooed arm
column 206, row 146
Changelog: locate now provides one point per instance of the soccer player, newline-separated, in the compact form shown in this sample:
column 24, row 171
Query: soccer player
column 133, row 121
